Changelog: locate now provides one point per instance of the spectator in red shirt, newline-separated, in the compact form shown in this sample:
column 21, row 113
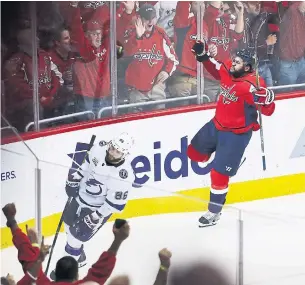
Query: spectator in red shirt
column 66, row 272
column 165, row 14
column 18, row 79
column 63, row 58
column 224, row 35
column 91, row 10
column 153, row 59
column 184, row 81
column 27, row 245
column 91, row 70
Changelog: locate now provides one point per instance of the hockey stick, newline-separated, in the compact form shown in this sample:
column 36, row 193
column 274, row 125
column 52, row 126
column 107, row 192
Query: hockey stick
column 260, row 119
column 62, row 215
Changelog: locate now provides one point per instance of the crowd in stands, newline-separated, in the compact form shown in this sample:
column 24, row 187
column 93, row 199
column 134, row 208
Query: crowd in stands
column 153, row 48
column 32, row 255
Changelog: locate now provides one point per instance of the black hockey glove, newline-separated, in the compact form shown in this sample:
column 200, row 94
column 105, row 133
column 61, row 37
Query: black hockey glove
column 83, row 228
column 72, row 187
column 200, row 49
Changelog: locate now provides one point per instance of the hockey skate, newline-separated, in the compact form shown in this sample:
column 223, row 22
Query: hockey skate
column 82, row 260
column 209, row 219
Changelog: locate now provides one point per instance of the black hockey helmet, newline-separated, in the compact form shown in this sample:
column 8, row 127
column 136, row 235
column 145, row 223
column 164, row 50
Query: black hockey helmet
column 247, row 56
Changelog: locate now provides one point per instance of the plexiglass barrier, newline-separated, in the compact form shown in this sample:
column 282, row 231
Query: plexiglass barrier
column 20, row 184
column 274, row 251
column 258, row 242
column 106, row 59
column 158, row 219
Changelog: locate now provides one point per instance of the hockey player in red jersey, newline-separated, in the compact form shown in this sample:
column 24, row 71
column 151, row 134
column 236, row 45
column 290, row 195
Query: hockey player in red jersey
column 229, row 132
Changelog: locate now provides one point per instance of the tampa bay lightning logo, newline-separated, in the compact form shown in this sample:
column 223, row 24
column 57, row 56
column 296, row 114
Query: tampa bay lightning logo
column 123, row 173
column 94, row 187
column 93, row 182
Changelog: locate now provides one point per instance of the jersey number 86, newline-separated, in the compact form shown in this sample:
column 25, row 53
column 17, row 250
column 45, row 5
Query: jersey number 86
column 121, row 195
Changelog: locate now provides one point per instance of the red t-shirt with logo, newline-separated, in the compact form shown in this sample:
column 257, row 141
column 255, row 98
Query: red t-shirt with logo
column 151, row 54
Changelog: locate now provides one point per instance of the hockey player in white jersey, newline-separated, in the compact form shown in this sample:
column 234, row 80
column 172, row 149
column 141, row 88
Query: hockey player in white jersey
column 99, row 188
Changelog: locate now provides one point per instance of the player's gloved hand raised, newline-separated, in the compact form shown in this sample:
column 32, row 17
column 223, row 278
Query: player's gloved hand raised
column 200, row 49
column 263, row 96
column 72, row 187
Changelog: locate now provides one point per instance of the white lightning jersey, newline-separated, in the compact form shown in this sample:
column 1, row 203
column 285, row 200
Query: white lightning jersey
column 103, row 187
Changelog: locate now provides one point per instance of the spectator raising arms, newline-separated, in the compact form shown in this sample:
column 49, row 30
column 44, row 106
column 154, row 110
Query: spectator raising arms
column 66, row 271
column 154, row 58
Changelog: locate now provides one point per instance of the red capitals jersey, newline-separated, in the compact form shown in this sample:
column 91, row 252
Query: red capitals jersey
column 18, row 78
column 221, row 32
column 185, row 25
column 91, row 71
column 124, row 22
column 100, row 11
column 236, row 110
column 94, row 10
column 62, row 64
column 89, row 10
column 152, row 53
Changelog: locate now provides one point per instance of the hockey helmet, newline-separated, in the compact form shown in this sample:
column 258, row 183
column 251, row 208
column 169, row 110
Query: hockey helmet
column 247, row 57
column 123, row 143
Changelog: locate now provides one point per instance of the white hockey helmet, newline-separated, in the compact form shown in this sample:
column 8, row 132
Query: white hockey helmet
column 123, row 143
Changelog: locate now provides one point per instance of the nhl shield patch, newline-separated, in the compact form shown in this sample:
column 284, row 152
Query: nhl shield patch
column 102, row 143
column 123, row 173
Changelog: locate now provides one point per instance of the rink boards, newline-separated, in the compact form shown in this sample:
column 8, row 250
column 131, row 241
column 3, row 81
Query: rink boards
column 169, row 182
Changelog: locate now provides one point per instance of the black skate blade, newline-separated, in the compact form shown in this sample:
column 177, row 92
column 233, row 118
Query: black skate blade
column 207, row 225
column 82, row 265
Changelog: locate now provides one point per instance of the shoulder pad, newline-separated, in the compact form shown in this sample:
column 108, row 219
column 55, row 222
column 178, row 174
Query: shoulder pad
column 102, row 143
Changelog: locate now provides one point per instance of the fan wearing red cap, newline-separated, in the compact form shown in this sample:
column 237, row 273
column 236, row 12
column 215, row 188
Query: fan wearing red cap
column 94, row 32
column 91, row 71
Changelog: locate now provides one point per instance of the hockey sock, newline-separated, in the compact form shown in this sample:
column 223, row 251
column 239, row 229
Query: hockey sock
column 218, row 191
column 75, row 252
column 73, row 246
column 217, row 200
column 194, row 155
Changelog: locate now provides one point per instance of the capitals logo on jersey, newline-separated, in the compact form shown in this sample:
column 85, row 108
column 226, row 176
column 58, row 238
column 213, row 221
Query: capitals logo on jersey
column 223, row 41
column 94, row 4
column 227, row 95
column 203, row 36
column 151, row 55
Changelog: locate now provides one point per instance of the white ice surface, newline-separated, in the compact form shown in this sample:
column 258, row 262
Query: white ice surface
column 274, row 243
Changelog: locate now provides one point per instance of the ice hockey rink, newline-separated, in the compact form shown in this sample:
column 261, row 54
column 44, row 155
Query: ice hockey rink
column 273, row 243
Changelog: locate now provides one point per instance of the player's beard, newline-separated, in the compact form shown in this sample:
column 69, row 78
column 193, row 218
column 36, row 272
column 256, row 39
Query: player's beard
column 113, row 160
column 238, row 73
